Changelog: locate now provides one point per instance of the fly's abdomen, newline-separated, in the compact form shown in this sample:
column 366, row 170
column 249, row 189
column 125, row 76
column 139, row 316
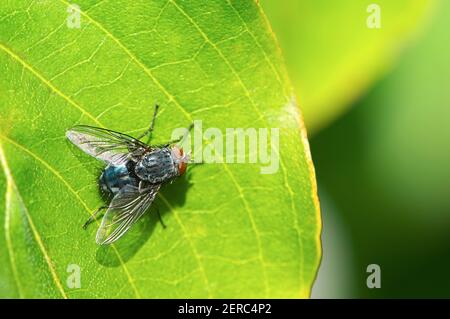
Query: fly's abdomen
column 157, row 166
column 114, row 178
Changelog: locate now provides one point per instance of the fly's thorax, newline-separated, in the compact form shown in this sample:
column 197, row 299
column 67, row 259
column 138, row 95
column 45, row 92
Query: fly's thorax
column 157, row 166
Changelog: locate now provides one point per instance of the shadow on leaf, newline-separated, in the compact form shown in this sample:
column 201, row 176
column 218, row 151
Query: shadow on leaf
column 137, row 236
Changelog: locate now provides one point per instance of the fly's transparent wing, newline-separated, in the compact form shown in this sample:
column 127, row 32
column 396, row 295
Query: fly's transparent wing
column 125, row 209
column 110, row 146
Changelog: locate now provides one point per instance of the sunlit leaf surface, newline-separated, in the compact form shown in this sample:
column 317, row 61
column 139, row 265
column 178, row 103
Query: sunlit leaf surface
column 231, row 231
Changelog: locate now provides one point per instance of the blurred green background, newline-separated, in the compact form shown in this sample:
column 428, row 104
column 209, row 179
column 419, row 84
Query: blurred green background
column 377, row 106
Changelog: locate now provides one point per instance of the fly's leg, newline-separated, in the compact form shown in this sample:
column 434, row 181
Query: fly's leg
column 141, row 187
column 152, row 124
column 169, row 142
column 181, row 138
column 159, row 216
column 93, row 216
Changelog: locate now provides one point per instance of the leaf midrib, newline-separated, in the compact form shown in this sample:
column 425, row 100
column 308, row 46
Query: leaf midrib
column 12, row 186
column 7, row 224
column 69, row 187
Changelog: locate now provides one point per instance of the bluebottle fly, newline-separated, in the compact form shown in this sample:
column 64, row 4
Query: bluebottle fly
column 133, row 174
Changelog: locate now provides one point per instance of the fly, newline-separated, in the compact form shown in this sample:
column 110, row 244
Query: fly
column 133, row 174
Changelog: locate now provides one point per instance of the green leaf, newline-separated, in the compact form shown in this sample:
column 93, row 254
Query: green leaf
column 231, row 231
column 331, row 54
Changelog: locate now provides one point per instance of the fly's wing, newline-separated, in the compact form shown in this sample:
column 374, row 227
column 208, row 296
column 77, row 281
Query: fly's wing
column 125, row 209
column 110, row 146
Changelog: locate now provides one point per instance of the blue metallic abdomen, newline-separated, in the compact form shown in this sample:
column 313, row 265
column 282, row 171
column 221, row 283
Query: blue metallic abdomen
column 113, row 178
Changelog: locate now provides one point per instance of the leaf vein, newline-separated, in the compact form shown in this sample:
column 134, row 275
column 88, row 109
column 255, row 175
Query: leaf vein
column 7, row 225
column 191, row 244
column 132, row 57
column 69, row 187
column 34, row 230
column 46, row 82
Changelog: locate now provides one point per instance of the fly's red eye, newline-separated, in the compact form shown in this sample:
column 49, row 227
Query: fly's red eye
column 182, row 168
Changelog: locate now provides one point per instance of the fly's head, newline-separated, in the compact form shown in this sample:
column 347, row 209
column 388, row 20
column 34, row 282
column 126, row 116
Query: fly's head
column 180, row 158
